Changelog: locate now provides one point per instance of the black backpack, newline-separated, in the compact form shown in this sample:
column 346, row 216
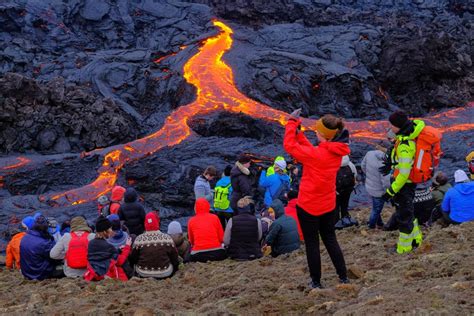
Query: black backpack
column 345, row 179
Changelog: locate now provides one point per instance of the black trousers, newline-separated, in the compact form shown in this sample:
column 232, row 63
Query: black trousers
column 342, row 203
column 312, row 227
column 214, row 255
column 403, row 201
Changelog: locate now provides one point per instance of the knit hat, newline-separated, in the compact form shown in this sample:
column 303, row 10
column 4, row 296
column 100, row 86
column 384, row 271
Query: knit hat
column 152, row 222
column 324, row 131
column 174, row 228
column 281, row 164
column 28, row 222
column 460, row 176
column 202, row 206
column 103, row 200
column 102, row 224
column 398, row 119
column 244, row 159
column 79, row 224
column 114, row 220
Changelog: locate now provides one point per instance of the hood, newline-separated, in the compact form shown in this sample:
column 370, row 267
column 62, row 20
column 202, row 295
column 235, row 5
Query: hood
column 340, row 149
column 202, row 206
column 465, row 188
column 277, row 206
column 223, row 182
column 418, row 126
column 79, row 224
column 152, row 222
column 130, row 195
column 28, row 222
column 238, row 169
column 345, row 161
column 117, row 193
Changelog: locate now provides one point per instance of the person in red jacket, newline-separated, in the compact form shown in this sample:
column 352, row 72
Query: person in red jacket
column 116, row 199
column 290, row 210
column 317, row 192
column 104, row 260
column 205, row 234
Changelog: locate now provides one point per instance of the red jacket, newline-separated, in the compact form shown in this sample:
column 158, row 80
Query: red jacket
column 205, row 229
column 115, row 268
column 317, row 192
column 115, row 198
column 290, row 210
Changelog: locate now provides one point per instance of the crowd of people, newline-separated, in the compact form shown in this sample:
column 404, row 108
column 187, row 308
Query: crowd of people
column 252, row 211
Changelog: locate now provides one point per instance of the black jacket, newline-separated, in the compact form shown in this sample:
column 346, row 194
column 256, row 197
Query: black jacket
column 241, row 186
column 99, row 255
column 132, row 213
column 244, row 242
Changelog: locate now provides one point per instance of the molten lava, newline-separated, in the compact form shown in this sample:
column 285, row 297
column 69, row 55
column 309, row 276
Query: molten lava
column 216, row 90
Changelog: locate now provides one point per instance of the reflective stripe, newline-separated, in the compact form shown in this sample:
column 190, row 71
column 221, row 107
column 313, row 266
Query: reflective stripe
column 405, row 160
column 404, row 243
column 404, row 170
column 420, row 159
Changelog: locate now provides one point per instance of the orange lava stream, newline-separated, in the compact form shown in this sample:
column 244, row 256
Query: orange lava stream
column 22, row 161
column 216, row 90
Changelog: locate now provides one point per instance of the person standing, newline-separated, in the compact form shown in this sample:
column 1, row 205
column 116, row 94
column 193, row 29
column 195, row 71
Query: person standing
column 222, row 194
column 241, row 180
column 132, row 212
column 202, row 186
column 317, row 193
column 345, row 183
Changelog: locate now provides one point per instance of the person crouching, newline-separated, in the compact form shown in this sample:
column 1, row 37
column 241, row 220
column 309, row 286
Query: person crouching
column 104, row 259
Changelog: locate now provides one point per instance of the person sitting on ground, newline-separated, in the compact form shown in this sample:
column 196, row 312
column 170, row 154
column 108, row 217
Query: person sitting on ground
column 120, row 236
column 132, row 212
column 12, row 260
column 277, row 184
column 283, row 235
column 345, row 183
column 202, row 187
column 116, row 199
column 470, row 163
column 205, row 234
column 457, row 205
column 72, row 248
column 375, row 182
column 290, row 210
column 241, row 179
column 440, row 187
column 103, row 205
column 104, row 259
column 34, row 253
column 243, row 233
column 222, row 194
column 154, row 253
column 267, row 217
column 180, row 241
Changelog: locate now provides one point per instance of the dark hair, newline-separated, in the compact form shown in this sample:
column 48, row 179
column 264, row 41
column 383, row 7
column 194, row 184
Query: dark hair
column 211, row 171
column 333, row 122
column 227, row 170
column 441, row 178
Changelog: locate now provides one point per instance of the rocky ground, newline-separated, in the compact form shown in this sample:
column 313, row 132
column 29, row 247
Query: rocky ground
column 436, row 279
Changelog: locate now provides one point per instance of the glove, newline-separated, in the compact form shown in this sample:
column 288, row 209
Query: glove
column 386, row 197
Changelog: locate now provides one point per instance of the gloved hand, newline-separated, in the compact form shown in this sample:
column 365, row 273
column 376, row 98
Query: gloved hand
column 386, row 197
column 296, row 113
column 385, row 169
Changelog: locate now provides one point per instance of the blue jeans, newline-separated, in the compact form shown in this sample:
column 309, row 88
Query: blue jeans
column 377, row 207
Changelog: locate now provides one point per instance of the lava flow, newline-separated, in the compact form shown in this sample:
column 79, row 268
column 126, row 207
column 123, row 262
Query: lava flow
column 216, row 90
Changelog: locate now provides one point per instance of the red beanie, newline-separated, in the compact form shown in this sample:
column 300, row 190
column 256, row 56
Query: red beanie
column 202, row 206
column 152, row 222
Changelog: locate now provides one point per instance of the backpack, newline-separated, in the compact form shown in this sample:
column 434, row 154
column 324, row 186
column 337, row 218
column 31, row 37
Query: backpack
column 221, row 197
column 76, row 255
column 345, row 179
column 282, row 193
column 427, row 156
column 105, row 210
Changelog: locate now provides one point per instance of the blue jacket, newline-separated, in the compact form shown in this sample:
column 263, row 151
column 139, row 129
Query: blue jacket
column 34, row 256
column 283, row 235
column 271, row 184
column 223, row 182
column 459, row 202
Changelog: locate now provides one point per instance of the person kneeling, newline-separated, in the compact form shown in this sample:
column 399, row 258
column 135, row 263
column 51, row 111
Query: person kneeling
column 243, row 233
column 283, row 235
column 154, row 253
column 205, row 234
column 104, row 259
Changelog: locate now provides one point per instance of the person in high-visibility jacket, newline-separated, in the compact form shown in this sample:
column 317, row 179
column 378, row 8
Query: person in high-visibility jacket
column 271, row 169
column 402, row 190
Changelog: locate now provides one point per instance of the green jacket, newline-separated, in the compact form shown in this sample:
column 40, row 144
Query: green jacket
column 271, row 169
column 439, row 192
column 402, row 157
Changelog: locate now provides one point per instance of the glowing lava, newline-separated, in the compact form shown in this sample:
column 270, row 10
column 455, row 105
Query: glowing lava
column 216, row 90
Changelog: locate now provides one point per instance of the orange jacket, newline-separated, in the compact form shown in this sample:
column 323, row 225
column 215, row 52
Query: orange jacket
column 205, row 230
column 13, row 251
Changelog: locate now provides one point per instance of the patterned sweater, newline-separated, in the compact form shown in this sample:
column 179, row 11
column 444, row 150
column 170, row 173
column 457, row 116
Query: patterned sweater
column 154, row 255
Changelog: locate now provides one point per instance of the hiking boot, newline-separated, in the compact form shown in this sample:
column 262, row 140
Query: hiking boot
column 315, row 285
column 339, row 224
column 344, row 280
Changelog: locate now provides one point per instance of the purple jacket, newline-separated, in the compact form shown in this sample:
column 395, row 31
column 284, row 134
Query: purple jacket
column 34, row 256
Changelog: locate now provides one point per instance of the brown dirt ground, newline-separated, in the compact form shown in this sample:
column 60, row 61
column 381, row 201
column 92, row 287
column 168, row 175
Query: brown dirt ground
column 438, row 278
